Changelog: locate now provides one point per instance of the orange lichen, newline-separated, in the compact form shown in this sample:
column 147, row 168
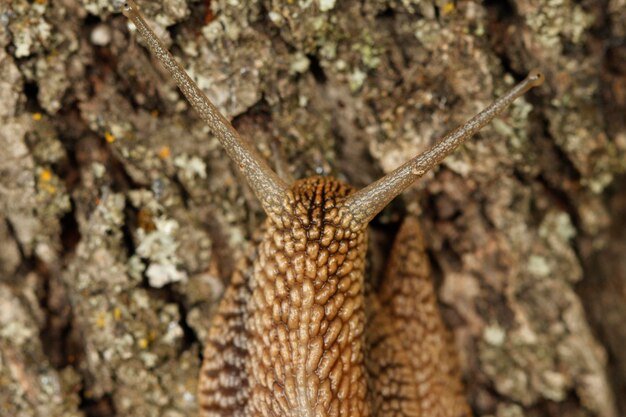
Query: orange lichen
column 447, row 8
column 45, row 175
column 108, row 136
column 101, row 320
column 164, row 152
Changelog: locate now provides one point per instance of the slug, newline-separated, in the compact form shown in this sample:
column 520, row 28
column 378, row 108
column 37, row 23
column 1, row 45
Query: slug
column 295, row 334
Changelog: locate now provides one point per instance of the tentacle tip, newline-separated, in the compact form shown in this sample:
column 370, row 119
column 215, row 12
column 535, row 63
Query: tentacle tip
column 535, row 78
column 129, row 7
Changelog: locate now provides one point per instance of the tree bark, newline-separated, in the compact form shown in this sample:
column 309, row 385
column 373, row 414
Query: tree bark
column 122, row 218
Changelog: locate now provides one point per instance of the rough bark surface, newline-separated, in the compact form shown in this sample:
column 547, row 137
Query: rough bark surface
column 122, row 219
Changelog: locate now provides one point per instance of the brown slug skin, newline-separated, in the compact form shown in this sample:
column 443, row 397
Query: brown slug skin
column 412, row 360
column 291, row 338
column 293, row 335
column 302, row 349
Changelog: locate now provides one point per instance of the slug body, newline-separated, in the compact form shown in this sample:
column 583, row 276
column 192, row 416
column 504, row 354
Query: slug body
column 298, row 341
column 296, row 334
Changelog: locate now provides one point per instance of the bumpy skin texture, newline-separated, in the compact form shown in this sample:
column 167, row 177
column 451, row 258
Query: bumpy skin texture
column 412, row 361
column 289, row 337
column 223, row 388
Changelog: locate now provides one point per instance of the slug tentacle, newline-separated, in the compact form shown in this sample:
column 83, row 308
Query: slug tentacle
column 369, row 201
column 268, row 187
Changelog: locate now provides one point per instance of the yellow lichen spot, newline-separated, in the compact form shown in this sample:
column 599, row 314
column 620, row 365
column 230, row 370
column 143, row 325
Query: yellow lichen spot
column 117, row 313
column 37, row 116
column 51, row 189
column 101, row 320
column 164, row 152
column 45, row 175
column 447, row 8
column 143, row 343
column 41, row 1
column 108, row 136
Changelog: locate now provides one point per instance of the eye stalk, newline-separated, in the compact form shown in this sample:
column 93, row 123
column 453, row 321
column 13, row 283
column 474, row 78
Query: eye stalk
column 130, row 7
column 269, row 188
column 369, row 201
column 535, row 78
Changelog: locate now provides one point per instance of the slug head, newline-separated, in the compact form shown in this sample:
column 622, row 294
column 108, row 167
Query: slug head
column 271, row 190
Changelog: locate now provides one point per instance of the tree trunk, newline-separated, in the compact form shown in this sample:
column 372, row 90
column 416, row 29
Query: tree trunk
column 123, row 219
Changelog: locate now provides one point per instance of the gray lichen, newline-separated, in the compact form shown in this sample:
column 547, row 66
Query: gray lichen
column 29, row 385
